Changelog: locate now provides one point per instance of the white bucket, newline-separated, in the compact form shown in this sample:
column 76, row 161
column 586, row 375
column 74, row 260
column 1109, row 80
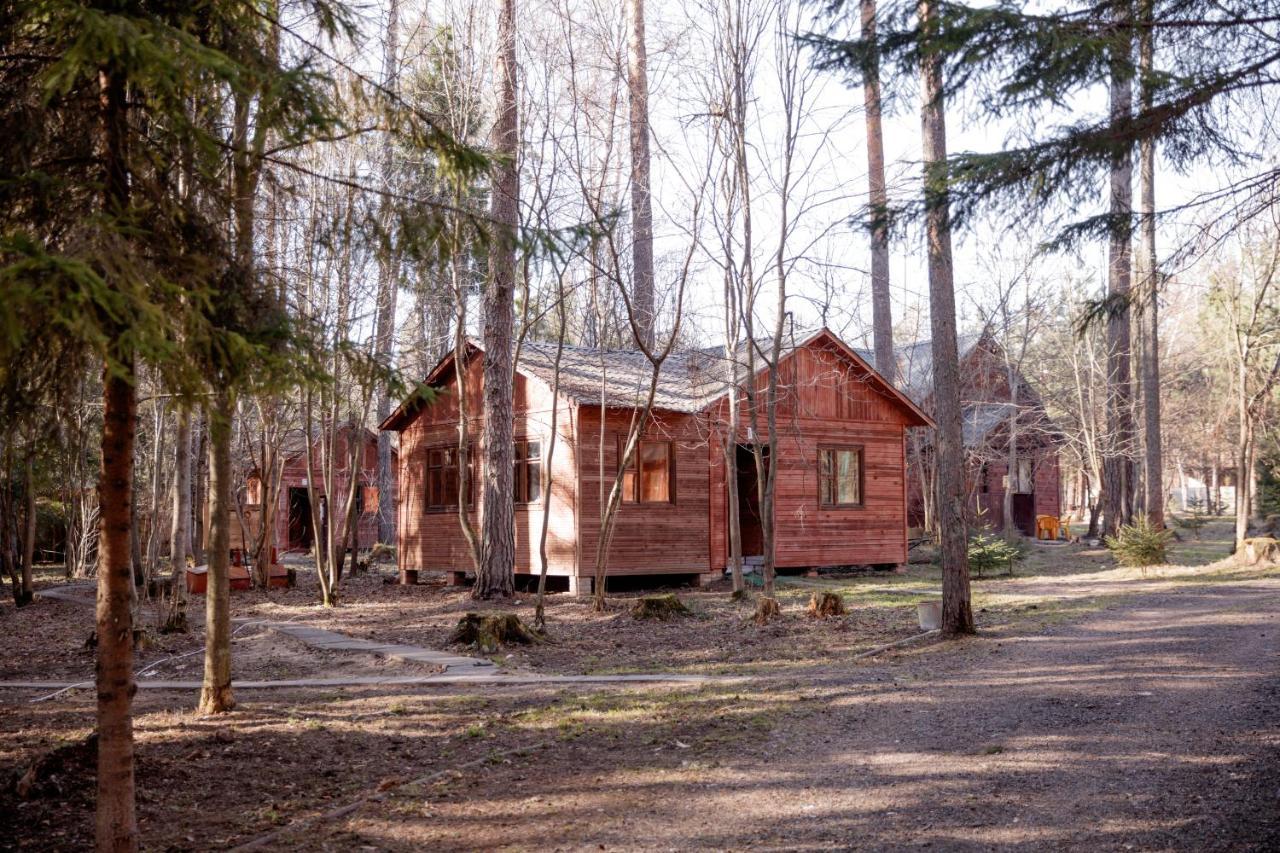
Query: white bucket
column 930, row 614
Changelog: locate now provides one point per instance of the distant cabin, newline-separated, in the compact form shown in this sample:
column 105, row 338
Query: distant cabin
column 841, row 496
column 294, row 522
column 988, row 405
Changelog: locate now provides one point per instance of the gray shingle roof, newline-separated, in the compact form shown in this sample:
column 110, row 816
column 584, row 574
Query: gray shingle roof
column 688, row 382
column 915, row 365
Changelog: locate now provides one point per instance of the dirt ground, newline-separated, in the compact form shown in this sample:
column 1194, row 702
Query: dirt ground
column 1099, row 708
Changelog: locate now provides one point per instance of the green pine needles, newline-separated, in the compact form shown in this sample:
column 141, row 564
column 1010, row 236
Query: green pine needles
column 1140, row 544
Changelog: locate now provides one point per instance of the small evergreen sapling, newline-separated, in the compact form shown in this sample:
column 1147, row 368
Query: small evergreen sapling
column 988, row 552
column 1140, row 544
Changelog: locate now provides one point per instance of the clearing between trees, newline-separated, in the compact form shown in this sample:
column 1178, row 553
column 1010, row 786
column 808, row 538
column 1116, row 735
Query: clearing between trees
column 1099, row 708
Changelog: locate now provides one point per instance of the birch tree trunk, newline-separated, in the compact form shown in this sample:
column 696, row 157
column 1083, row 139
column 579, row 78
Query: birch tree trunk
column 180, row 535
column 1118, row 473
column 641, row 201
column 881, row 306
column 496, row 577
column 957, row 612
column 388, row 292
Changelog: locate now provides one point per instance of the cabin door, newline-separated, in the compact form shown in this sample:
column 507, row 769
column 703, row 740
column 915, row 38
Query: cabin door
column 1024, row 513
column 301, row 533
column 749, row 501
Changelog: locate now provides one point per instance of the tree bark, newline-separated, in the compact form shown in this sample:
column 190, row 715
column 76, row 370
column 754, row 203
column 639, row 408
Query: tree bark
column 215, row 693
column 496, row 577
column 116, row 826
column 1118, row 469
column 1151, row 291
column 641, row 201
column 199, row 486
column 116, row 822
column 957, row 612
column 388, row 291
column 29, row 537
column 180, row 531
column 881, row 306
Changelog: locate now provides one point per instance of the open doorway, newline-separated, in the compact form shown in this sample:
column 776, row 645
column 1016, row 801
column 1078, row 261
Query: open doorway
column 301, row 532
column 1024, row 498
column 749, row 520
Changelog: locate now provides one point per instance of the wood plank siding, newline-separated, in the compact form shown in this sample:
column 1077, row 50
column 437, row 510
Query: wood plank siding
column 295, row 473
column 433, row 539
column 825, row 401
column 648, row 538
column 830, row 399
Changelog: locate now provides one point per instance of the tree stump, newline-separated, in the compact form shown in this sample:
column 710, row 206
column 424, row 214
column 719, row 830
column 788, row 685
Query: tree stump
column 1261, row 549
column 489, row 632
column 767, row 610
column 824, row 605
column 662, row 607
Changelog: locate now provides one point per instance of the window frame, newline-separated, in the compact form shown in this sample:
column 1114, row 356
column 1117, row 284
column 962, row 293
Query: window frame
column 428, row 506
column 634, row 468
column 834, row 504
column 520, row 463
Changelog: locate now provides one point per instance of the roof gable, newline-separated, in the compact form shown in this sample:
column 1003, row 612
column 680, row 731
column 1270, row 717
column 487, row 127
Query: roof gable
column 689, row 381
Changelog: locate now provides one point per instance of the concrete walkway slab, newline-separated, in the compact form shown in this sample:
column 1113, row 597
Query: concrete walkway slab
column 493, row 679
column 333, row 641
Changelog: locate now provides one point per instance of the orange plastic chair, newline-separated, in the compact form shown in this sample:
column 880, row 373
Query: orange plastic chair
column 1047, row 526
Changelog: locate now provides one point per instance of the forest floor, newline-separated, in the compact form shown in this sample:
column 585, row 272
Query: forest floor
column 1099, row 708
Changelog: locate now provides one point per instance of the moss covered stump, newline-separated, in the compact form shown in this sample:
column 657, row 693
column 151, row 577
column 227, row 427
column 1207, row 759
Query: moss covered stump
column 824, row 605
column 489, row 632
column 767, row 610
column 1262, row 549
column 662, row 607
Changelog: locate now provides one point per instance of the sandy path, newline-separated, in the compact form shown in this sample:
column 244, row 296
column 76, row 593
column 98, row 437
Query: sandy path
column 1153, row 725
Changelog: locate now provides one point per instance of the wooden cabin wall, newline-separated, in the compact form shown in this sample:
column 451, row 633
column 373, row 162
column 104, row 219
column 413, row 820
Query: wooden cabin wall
column 294, row 474
column 432, row 540
column 825, row 403
column 1045, row 487
column 649, row 538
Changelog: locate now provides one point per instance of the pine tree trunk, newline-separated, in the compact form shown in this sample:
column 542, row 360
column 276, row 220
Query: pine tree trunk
column 116, row 823
column 496, row 577
column 116, row 826
column 1151, row 292
column 1118, row 472
column 641, row 201
column 215, row 693
column 881, row 306
column 957, row 612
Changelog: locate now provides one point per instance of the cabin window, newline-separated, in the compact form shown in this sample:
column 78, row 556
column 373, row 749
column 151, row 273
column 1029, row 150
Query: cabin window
column 650, row 478
column 527, row 483
column 840, row 476
column 442, row 478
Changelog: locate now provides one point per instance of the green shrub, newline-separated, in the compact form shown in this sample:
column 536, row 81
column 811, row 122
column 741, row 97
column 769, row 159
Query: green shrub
column 988, row 552
column 1140, row 544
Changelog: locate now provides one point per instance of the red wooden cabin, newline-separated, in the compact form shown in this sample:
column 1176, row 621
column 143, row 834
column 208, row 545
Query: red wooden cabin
column 841, row 483
column 294, row 525
column 988, row 402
